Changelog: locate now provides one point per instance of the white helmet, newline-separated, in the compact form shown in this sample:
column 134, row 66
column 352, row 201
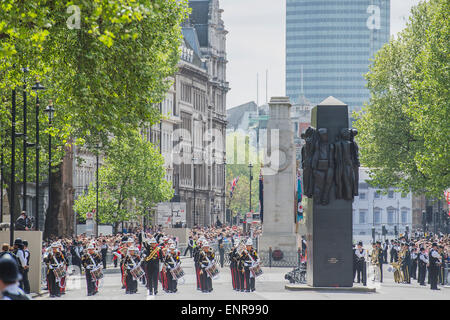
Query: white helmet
column 152, row 240
column 55, row 245
column 249, row 242
column 132, row 249
column 205, row 243
column 172, row 246
column 130, row 240
column 91, row 246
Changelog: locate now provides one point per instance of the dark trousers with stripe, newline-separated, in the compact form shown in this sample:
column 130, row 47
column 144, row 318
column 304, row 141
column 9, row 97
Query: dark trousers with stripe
column 152, row 277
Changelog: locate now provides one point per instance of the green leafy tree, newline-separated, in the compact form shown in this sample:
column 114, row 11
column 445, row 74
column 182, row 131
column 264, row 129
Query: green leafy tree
column 239, row 154
column 131, row 181
column 104, row 75
column 404, row 131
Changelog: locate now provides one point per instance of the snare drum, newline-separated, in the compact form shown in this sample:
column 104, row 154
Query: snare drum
column 137, row 272
column 97, row 273
column 177, row 272
column 256, row 270
column 212, row 271
column 60, row 272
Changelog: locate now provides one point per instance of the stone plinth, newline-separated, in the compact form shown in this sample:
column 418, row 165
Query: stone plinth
column 279, row 180
column 34, row 239
column 329, row 227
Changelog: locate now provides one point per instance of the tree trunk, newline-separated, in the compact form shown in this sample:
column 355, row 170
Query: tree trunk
column 52, row 229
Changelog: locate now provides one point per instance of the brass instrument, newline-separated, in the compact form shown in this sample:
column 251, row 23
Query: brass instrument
column 152, row 254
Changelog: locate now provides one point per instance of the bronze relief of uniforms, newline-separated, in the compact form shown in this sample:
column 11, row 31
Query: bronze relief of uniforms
column 326, row 164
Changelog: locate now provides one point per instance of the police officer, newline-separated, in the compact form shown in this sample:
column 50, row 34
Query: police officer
column 20, row 255
column 423, row 261
column 435, row 263
column 26, row 282
column 190, row 246
column 414, row 261
column 9, row 278
column 380, row 259
column 104, row 252
column 360, row 253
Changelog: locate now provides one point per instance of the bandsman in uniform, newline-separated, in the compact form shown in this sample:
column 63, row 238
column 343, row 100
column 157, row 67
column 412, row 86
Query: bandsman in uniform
column 91, row 260
column 131, row 261
column 9, row 280
column 206, row 258
column 171, row 260
column 360, row 254
column 375, row 262
column 249, row 258
column 53, row 260
column 196, row 255
column 423, row 262
column 152, row 258
column 61, row 248
column 405, row 262
column 234, row 259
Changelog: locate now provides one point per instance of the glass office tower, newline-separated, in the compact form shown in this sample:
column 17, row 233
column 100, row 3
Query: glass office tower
column 329, row 44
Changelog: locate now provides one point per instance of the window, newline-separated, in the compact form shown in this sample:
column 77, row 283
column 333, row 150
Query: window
column 390, row 216
column 362, row 196
column 362, row 216
column 404, row 215
column 377, row 194
column 391, row 194
column 377, row 216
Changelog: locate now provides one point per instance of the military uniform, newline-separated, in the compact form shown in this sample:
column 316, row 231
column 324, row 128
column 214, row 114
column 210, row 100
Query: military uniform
column 53, row 260
column 130, row 262
column 249, row 258
column 205, row 259
column 171, row 261
column 90, row 261
column 153, row 257
column 234, row 259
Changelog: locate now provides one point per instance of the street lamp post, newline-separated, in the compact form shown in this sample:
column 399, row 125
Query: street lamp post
column 96, row 200
column 13, row 167
column 36, row 88
column 2, row 164
column 250, row 167
column 193, row 164
column 50, row 111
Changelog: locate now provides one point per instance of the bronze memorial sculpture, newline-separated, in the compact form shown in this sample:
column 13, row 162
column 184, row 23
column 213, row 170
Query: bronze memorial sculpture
column 330, row 166
column 324, row 163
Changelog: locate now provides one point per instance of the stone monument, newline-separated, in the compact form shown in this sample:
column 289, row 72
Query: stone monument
column 330, row 164
column 279, row 182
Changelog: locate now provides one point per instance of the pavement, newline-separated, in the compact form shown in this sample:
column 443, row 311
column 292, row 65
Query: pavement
column 269, row 286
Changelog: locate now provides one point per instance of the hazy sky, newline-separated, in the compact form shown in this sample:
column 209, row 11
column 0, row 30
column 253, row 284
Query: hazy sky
column 256, row 43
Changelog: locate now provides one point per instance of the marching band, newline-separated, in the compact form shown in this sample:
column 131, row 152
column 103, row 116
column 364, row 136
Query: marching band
column 156, row 259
